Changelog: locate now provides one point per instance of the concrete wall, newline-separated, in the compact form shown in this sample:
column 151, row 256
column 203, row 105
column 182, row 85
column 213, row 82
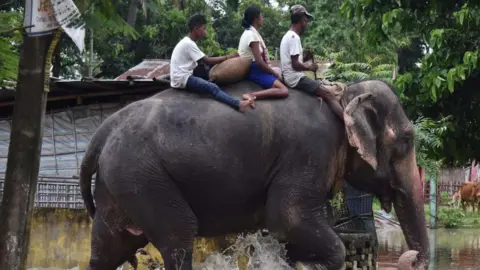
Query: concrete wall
column 60, row 238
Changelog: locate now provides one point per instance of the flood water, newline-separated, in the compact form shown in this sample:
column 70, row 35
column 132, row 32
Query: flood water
column 62, row 241
column 456, row 249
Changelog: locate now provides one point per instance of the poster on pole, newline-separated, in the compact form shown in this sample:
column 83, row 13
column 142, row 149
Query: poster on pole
column 39, row 17
column 44, row 16
column 68, row 16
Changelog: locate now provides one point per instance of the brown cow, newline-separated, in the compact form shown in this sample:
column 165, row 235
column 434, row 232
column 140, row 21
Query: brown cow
column 468, row 193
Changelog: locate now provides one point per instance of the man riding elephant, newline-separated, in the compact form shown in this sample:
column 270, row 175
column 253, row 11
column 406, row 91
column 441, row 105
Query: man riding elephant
column 293, row 68
column 178, row 165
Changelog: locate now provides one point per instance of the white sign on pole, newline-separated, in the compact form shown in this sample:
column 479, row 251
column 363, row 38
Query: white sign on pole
column 48, row 15
column 39, row 13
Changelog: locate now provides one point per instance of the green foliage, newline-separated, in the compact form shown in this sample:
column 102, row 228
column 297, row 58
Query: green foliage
column 429, row 143
column 451, row 217
column 347, row 72
column 9, row 45
column 337, row 201
column 444, row 79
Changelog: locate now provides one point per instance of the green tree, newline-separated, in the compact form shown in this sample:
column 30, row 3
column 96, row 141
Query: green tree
column 442, row 80
column 9, row 45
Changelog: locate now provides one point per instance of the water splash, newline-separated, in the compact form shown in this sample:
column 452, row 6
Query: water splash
column 260, row 252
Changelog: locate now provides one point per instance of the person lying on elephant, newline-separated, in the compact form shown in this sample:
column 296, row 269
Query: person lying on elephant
column 252, row 45
column 292, row 62
column 185, row 58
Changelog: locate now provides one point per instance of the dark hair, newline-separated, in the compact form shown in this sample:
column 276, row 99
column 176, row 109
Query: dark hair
column 196, row 21
column 251, row 13
column 296, row 17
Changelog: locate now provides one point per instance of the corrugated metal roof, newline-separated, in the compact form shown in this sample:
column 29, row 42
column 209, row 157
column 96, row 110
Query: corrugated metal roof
column 148, row 69
column 154, row 68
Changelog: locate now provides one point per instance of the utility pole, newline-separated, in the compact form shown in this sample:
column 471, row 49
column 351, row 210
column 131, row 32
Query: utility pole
column 25, row 148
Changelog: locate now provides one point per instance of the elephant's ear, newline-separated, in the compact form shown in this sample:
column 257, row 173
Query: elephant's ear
column 360, row 122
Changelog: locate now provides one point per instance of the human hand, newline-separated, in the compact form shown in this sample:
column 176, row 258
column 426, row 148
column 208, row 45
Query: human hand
column 233, row 55
column 277, row 73
column 313, row 67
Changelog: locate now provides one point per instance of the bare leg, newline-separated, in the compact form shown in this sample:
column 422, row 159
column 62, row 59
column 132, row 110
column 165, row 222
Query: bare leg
column 331, row 101
column 278, row 90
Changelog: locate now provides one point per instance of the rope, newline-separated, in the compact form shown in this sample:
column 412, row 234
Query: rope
column 48, row 59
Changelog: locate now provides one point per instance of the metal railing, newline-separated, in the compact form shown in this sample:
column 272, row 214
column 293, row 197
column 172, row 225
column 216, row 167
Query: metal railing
column 55, row 192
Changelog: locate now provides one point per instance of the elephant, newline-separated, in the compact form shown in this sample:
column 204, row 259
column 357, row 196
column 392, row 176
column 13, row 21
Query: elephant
column 178, row 165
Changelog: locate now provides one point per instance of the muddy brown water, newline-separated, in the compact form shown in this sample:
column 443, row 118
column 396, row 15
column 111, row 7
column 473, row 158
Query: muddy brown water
column 60, row 239
column 457, row 249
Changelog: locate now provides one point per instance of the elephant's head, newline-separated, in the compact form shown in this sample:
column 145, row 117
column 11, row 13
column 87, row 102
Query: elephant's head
column 381, row 159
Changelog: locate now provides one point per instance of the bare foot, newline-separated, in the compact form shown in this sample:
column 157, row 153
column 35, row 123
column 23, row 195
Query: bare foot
column 244, row 104
column 251, row 98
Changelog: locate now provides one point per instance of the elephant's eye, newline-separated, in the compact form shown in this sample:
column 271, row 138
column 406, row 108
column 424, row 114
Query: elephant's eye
column 403, row 145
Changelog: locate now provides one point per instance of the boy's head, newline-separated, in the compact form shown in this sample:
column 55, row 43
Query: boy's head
column 197, row 25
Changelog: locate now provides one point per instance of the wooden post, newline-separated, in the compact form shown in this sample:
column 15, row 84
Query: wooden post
column 433, row 202
column 473, row 171
column 24, row 150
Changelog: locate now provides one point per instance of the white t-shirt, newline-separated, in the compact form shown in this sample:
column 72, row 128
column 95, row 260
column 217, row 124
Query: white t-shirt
column 183, row 61
column 249, row 35
column 289, row 46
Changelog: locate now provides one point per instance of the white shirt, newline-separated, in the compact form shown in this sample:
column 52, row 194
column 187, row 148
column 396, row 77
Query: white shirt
column 249, row 35
column 183, row 61
column 289, row 46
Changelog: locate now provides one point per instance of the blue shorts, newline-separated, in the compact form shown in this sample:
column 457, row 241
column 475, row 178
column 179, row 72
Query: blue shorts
column 260, row 77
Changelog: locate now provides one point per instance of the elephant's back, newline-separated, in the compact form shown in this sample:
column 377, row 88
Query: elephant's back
column 192, row 118
column 297, row 106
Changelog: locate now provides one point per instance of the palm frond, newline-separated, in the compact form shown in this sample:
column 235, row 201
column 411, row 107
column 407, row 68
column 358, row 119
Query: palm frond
column 354, row 66
column 354, row 75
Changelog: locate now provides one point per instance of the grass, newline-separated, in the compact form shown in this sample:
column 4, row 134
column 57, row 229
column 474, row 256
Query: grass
column 447, row 217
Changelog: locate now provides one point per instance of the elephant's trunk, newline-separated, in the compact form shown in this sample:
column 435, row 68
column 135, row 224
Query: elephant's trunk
column 409, row 208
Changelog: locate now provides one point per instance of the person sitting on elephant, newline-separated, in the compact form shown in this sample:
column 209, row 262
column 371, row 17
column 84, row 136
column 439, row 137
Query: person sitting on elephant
column 292, row 62
column 185, row 58
column 252, row 45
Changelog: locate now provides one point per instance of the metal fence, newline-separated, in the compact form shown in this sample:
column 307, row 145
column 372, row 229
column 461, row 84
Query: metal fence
column 55, row 192
column 449, row 188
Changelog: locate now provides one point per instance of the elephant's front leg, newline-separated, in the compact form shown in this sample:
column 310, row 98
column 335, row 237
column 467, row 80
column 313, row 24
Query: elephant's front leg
column 296, row 213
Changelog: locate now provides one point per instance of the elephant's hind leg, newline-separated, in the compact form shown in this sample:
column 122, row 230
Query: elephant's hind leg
column 298, row 216
column 165, row 218
column 111, row 248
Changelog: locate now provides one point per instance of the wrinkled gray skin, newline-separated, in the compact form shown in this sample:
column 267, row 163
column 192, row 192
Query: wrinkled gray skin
column 179, row 165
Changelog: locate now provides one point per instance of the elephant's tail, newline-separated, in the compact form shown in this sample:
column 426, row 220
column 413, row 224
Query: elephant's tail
column 87, row 170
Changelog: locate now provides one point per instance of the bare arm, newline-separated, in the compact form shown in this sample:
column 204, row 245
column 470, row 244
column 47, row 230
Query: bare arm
column 218, row 59
column 259, row 60
column 298, row 66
